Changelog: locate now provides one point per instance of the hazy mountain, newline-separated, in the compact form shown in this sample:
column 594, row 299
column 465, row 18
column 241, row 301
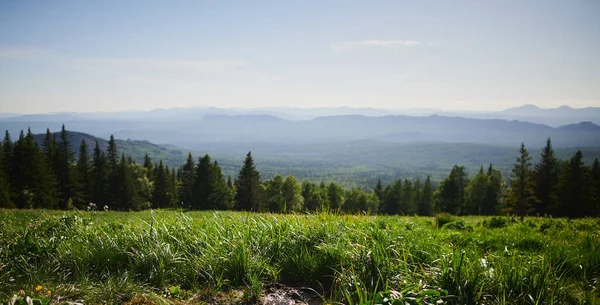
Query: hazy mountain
column 211, row 129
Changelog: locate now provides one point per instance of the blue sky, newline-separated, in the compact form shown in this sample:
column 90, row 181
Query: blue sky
column 454, row 55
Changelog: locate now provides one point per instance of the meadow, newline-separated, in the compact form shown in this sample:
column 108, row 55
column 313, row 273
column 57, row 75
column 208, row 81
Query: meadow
column 174, row 257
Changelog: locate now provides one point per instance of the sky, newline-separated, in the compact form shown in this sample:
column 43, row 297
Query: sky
column 87, row 56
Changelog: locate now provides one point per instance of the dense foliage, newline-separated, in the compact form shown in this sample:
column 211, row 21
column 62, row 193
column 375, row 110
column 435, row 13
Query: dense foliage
column 51, row 176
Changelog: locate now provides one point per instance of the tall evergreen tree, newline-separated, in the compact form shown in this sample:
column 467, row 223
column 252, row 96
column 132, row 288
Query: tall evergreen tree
column 494, row 191
column 34, row 184
column 451, row 192
column 392, row 198
column 100, row 178
column 476, row 193
column 248, row 189
column 596, row 184
column 546, row 178
column 379, row 192
column 416, row 196
column 84, row 176
column 148, row 165
column 7, row 149
column 188, row 174
column 50, row 150
column 202, row 183
column 64, row 171
column 521, row 196
column 5, row 189
column 127, row 195
column 160, row 195
column 426, row 198
column 575, row 189
column 220, row 196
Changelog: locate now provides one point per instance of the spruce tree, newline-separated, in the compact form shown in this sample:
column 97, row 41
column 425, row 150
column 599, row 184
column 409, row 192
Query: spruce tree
column 546, row 178
column 379, row 192
column 494, row 191
column 84, row 175
column 392, row 198
column 476, row 194
column 451, row 193
column 596, row 184
column 202, row 183
column 426, row 198
column 5, row 189
column 148, row 165
column 188, row 173
column 160, row 195
column 521, row 197
column 575, row 189
column 64, row 171
column 127, row 195
column 248, row 190
column 100, row 178
column 34, row 184
column 219, row 193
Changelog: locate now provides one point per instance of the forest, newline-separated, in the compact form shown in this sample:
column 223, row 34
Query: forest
column 52, row 176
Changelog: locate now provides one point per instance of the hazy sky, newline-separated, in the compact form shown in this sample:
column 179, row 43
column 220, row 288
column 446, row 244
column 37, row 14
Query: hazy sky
column 455, row 55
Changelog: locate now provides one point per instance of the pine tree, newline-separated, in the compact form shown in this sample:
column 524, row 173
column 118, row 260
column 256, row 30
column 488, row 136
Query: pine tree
column 100, row 178
column 595, row 172
column 494, row 191
column 476, row 193
column 451, row 193
column 63, row 170
column 248, row 195
column 188, row 174
column 175, row 184
column 84, row 176
column 202, row 183
column 416, row 196
column 575, row 189
column 392, row 198
column 379, row 192
column 50, row 150
column 33, row 182
column 335, row 194
column 426, row 198
column 127, row 195
column 546, row 178
column 522, row 195
column 220, row 196
column 148, row 165
column 160, row 195
column 5, row 189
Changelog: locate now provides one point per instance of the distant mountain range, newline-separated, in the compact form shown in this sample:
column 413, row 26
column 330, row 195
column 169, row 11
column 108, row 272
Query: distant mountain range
column 212, row 130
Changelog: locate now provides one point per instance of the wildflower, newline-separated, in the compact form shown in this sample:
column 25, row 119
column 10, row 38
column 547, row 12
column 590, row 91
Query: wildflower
column 21, row 292
column 38, row 288
column 105, row 208
column 48, row 292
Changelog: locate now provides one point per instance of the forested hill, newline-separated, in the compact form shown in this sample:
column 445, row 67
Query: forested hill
column 350, row 163
column 209, row 129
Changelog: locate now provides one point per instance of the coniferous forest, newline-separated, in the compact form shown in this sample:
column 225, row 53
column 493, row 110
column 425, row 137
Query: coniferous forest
column 52, row 176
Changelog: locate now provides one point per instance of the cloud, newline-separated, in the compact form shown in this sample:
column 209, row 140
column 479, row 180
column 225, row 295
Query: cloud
column 350, row 45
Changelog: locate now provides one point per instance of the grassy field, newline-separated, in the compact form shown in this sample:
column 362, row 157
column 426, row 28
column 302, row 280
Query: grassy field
column 169, row 257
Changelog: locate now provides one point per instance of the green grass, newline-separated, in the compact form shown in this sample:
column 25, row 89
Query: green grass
column 158, row 257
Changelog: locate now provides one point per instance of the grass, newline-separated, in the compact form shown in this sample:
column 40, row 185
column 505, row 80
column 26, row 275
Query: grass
column 161, row 257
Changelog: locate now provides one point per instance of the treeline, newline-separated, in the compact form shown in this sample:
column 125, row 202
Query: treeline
column 51, row 176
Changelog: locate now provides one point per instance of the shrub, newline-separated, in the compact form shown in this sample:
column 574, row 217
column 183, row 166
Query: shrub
column 443, row 218
column 496, row 222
